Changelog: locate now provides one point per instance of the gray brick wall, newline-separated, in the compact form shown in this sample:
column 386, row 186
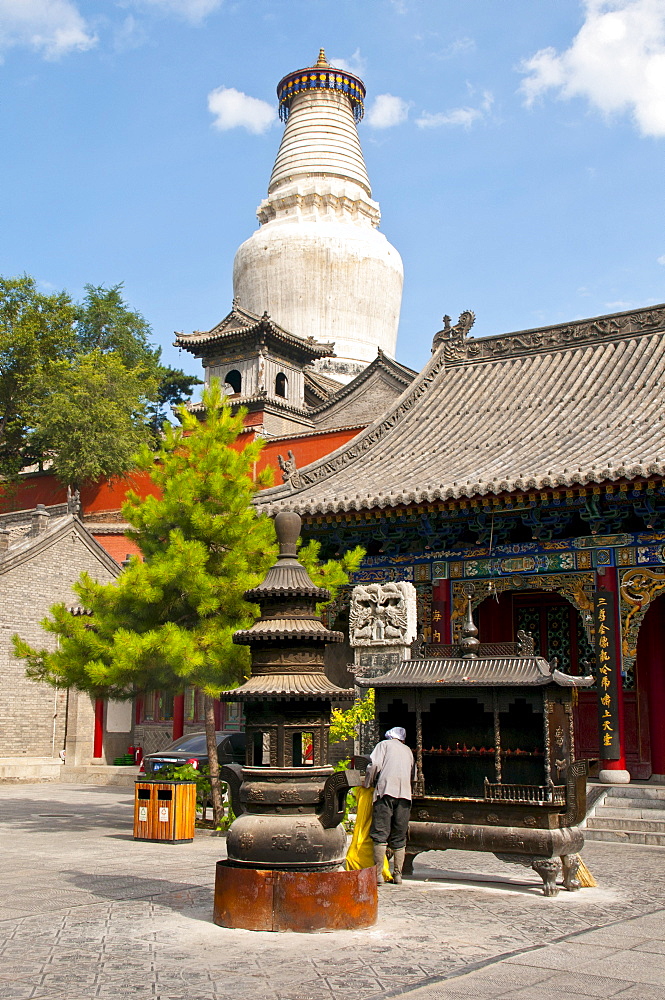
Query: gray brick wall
column 32, row 715
column 155, row 736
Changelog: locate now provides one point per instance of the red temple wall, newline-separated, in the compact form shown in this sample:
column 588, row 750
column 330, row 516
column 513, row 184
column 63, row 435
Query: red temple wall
column 305, row 449
column 108, row 496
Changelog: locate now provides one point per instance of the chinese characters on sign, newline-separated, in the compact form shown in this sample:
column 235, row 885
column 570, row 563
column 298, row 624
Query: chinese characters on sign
column 439, row 616
column 606, row 660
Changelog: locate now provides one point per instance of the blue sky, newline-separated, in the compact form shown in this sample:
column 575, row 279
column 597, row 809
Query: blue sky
column 516, row 149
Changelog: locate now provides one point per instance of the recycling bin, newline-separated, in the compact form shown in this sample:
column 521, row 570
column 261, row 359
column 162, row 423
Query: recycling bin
column 164, row 810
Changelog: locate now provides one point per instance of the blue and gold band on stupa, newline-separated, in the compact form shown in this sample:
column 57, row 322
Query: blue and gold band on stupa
column 323, row 76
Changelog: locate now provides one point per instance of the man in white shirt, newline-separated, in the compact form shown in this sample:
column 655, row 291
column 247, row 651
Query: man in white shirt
column 391, row 772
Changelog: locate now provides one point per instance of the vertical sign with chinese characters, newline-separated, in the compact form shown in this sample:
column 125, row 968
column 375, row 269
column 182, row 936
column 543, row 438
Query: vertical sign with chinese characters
column 439, row 609
column 606, row 670
column 440, row 613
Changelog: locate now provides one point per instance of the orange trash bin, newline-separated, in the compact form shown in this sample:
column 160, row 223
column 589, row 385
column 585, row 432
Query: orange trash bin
column 164, row 810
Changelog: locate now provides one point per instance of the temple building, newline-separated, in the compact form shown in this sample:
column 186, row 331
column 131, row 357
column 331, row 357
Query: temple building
column 42, row 554
column 272, row 374
column 318, row 264
column 527, row 469
column 308, row 346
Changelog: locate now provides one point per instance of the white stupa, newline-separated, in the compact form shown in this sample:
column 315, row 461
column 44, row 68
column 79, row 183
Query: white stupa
column 318, row 264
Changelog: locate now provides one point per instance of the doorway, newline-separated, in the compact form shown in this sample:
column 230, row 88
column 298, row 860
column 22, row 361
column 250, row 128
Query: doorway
column 558, row 631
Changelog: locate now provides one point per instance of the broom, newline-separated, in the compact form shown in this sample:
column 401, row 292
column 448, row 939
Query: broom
column 584, row 877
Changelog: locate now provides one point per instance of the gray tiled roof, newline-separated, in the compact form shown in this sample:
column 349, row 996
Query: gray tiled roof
column 576, row 403
column 33, row 543
column 489, row 671
column 286, row 578
column 240, row 322
column 320, row 385
column 290, row 687
column 286, row 628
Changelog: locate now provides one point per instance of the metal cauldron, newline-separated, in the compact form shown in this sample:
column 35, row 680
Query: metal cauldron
column 288, row 818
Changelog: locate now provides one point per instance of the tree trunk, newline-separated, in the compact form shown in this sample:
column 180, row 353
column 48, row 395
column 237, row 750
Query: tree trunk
column 213, row 761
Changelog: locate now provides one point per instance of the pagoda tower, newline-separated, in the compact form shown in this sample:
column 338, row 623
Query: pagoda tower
column 318, row 264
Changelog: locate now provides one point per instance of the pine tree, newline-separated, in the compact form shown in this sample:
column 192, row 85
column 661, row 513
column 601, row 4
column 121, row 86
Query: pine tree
column 167, row 622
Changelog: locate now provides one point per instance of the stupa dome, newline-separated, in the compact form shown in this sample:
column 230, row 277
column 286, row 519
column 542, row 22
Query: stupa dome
column 318, row 264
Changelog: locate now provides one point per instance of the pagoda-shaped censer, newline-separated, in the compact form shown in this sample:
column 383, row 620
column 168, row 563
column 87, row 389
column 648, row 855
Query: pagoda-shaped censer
column 286, row 847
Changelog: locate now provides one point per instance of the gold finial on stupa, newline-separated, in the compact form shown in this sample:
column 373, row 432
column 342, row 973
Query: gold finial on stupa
column 322, row 61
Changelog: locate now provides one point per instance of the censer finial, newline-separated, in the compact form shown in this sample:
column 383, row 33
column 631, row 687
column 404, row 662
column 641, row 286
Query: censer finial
column 287, row 526
column 469, row 642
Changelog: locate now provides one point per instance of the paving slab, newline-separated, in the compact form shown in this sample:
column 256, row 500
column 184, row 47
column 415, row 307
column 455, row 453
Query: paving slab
column 86, row 912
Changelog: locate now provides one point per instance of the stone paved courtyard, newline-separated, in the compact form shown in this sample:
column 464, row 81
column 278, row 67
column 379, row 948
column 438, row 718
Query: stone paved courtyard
column 87, row 912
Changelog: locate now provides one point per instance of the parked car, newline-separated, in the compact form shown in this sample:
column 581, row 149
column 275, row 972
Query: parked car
column 192, row 749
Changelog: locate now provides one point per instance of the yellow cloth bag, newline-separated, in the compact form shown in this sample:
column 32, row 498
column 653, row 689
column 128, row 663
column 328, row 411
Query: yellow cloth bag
column 361, row 853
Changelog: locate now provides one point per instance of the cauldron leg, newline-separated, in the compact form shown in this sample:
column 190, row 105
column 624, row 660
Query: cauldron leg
column 408, row 863
column 571, row 864
column 548, row 869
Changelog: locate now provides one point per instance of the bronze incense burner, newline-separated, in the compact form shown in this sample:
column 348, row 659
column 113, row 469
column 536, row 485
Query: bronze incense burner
column 288, row 800
column 492, row 729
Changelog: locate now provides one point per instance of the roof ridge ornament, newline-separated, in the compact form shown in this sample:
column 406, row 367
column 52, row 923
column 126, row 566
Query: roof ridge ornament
column 546, row 339
column 289, row 469
column 458, row 332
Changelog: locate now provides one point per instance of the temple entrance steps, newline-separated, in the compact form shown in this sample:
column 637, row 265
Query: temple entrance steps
column 631, row 814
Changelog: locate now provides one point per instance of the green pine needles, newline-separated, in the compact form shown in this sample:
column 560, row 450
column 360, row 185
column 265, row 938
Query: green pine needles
column 167, row 622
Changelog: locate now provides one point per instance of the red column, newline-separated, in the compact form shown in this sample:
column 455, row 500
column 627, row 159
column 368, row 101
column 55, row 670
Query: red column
column 609, row 582
column 651, row 677
column 178, row 716
column 98, row 744
column 441, row 611
column 218, row 709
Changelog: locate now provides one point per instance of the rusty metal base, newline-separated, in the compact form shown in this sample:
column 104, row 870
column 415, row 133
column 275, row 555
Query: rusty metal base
column 259, row 900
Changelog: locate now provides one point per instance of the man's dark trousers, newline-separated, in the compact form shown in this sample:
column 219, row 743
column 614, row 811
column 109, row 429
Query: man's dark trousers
column 390, row 821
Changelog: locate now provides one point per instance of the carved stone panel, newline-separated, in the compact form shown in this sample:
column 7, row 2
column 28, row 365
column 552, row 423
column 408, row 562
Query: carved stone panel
column 383, row 614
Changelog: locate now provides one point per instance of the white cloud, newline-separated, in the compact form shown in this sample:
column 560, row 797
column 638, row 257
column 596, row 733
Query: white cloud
column 457, row 48
column 52, row 27
column 623, row 306
column 458, row 116
column 191, row 10
column 387, row 111
column 661, row 260
column 463, row 117
column 355, row 64
column 233, row 109
column 616, row 61
column 129, row 34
